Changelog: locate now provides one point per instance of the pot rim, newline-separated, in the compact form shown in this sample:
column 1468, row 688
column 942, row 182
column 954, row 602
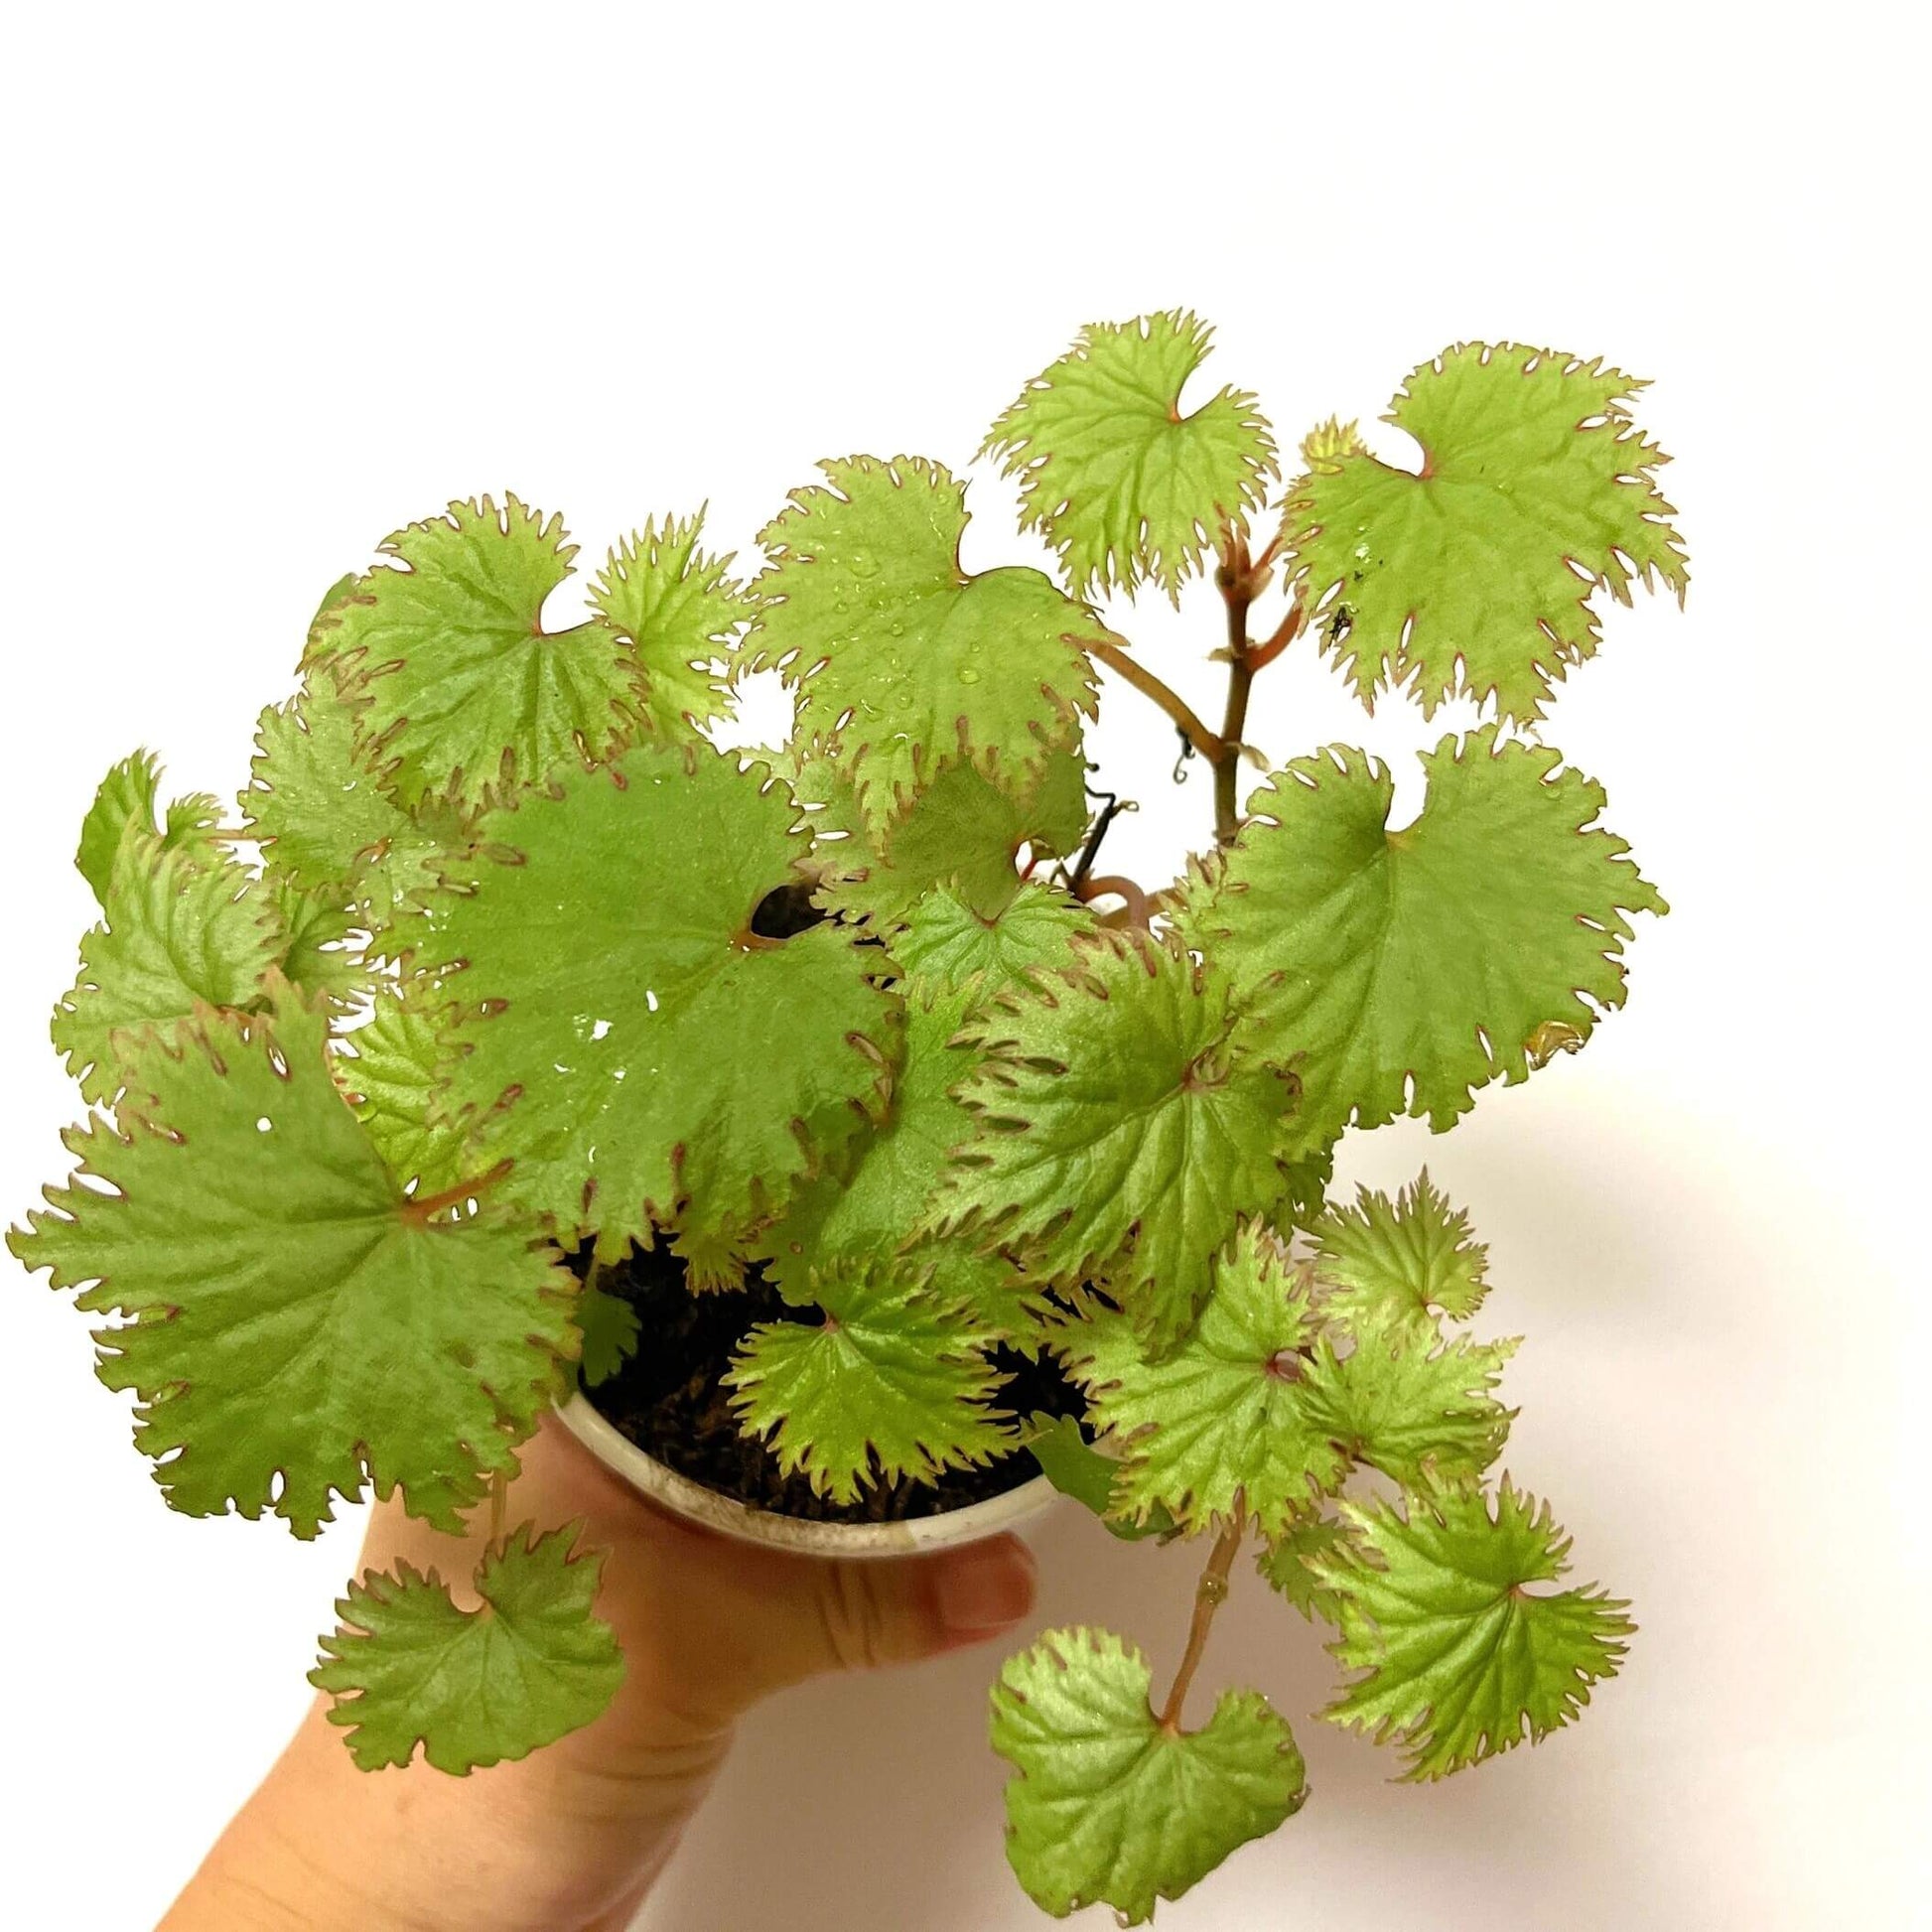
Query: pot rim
column 710, row 1510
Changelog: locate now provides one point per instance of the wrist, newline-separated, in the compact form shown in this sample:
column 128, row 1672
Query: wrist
column 558, row 1839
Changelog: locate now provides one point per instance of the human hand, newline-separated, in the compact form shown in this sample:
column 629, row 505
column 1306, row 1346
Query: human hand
column 573, row 1836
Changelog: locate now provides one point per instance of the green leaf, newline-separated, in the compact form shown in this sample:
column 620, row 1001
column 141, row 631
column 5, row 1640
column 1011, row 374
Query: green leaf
column 318, row 798
column 125, row 797
column 1460, row 1655
column 1124, row 486
column 1408, row 1407
column 1475, row 576
column 947, row 944
column 297, row 1328
column 529, row 1664
column 890, row 1383
column 901, row 657
column 183, row 930
column 318, row 946
column 1406, row 968
column 842, row 1218
column 611, row 1328
column 1076, row 1468
column 1120, row 1128
column 1106, row 1805
column 393, row 1071
column 657, row 1061
column 963, row 832
column 681, row 612
column 1406, row 1260
column 1285, row 1562
column 1222, row 1421
column 445, row 648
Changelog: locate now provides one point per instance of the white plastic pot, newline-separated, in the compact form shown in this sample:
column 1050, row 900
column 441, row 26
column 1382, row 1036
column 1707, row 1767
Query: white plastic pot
column 706, row 1507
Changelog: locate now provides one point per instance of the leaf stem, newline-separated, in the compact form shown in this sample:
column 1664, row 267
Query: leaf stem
column 427, row 1207
column 499, row 1494
column 1143, row 681
column 1209, row 1594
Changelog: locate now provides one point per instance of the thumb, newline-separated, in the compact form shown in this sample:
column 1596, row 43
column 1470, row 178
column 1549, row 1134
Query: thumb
column 859, row 1615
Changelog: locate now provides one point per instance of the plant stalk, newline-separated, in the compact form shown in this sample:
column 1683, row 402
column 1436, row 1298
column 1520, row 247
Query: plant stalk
column 1209, row 1594
column 1143, row 681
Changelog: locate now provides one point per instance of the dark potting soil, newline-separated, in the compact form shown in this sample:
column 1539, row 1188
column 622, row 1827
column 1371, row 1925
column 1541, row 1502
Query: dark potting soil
column 670, row 1400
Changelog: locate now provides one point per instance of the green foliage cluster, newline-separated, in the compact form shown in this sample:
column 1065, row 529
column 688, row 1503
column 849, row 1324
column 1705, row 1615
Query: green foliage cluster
column 476, row 981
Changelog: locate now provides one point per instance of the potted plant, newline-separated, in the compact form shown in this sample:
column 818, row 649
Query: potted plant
column 827, row 1133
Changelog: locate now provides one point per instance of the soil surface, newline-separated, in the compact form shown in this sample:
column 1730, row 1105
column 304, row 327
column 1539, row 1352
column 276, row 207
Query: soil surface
column 668, row 1398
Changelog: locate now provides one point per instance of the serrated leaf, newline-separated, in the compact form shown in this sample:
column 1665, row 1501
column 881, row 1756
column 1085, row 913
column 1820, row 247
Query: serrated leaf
column 1076, row 1468
column 962, row 832
column 842, row 1218
column 1407, row 1260
column 184, row 930
column 1107, row 1805
column 1460, row 1656
column 1222, row 1420
column 946, row 943
column 901, row 657
column 1409, row 1406
column 393, row 1071
column 611, row 1327
column 447, row 647
column 657, row 1061
column 681, row 612
column 892, row 1383
column 1285, row 1562
column 529, row 1664
column 1124, row 486
column 1430, row 955
column 1120, row 1128
column 1474, row 577
column 127, row 797
column 318, row 796
column 318, row 946
column 379, row 1345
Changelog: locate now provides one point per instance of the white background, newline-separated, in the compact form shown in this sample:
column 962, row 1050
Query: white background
column 282, row 278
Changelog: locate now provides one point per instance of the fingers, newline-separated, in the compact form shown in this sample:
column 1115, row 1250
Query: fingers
column 862, row 1615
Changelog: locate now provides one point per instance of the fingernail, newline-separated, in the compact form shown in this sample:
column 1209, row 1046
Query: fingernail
column 985, row 1590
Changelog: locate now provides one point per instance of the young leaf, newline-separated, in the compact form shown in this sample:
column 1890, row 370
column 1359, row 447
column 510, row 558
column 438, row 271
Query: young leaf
column 1460, row 1656
column 659, row 1061
column 611, row 1328
column 182, row 931
column 447, row 646
column 125, row 797
column 1106, row 1805
column 838, row 1219
column 277, row 1279
column 964, row 832
column 1285, row 1562
column 1401, row 1261
column 393, row 1071
column 901, row 658
column 1476, row 575
column 317, row 945
column 1408, row 1407
column 948, row 945
column 891, row 1384
column 318, row 798
column 680, row 611
column 531, row 1663
column 1223, row 1419
column 1120, row 1128
column 1431, row 955
column 1117, row 479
